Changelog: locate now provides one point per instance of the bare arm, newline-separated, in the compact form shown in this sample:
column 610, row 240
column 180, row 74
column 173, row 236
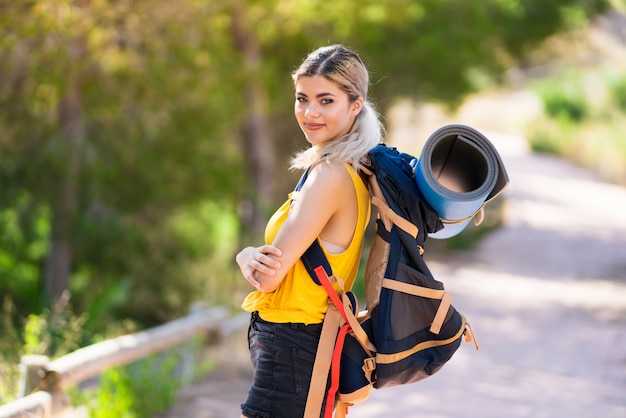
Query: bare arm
column 327, row 192
column 253, row 259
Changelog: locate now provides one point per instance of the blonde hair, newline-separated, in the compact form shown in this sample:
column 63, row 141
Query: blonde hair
column 344, row 67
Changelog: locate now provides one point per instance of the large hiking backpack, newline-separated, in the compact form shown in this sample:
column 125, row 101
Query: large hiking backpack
column 410, row 329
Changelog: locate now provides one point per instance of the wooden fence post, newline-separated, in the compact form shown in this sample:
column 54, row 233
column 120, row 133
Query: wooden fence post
column 32, row 369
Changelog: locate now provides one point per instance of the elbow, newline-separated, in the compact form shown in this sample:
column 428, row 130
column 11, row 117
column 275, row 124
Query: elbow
column 266, row 289
column 267, row 284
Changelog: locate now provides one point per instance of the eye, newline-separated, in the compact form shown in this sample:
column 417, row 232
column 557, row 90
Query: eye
column 327, row 101
column 301, row 99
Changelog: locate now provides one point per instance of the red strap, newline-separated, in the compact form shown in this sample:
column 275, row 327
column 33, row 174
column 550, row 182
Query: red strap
column 334, row 370
column 341, row 337
column 334, row 297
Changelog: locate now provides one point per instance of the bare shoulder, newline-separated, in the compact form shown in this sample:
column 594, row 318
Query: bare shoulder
column 331, row 176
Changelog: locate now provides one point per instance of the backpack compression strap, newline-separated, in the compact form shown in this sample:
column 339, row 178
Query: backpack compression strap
column 388, row 215
column 424, row 292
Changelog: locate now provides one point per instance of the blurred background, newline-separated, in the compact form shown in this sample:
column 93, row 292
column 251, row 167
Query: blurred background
column 142, row 143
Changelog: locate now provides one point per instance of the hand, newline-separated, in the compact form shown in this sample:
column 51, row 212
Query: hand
column 253, row 259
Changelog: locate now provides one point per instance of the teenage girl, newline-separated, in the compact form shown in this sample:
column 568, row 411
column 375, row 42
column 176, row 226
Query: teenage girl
column 287, row 308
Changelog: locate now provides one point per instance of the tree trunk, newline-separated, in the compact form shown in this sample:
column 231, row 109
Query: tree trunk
column 72, row 128
column 258, row 147
column 64, row 209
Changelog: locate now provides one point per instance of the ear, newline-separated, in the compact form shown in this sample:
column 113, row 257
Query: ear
column 357, row 106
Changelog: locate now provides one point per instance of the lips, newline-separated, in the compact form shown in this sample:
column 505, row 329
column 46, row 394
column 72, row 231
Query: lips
column 313, row 126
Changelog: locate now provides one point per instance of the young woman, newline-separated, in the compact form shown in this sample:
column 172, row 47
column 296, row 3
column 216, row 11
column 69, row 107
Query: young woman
column 288, row 308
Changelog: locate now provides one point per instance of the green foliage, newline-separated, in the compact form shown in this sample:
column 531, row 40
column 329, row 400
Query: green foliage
column 595, row 141
column 138, row 390
column 551, row 136
column 617, row 88
column 207, row 227
column 155, row 115
column 564, row 100
column 9, row 352
column 433, row 49
column 55, row 332
column 9, row 375
column 114, row 397
column 24, row 231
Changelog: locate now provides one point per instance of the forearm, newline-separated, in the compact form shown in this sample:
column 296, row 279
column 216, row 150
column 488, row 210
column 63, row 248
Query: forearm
column 259, row 264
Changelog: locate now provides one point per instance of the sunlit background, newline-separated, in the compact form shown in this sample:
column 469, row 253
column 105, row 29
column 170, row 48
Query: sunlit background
column 142, row 143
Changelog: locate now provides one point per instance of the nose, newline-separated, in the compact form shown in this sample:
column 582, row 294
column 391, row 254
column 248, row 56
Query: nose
column 311, row 110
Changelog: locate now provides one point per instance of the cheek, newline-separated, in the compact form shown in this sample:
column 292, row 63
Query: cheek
column 346, row 118
column 297, row 112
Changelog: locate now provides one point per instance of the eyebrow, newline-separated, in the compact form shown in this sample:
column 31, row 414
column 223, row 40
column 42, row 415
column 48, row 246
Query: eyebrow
column 299, row 93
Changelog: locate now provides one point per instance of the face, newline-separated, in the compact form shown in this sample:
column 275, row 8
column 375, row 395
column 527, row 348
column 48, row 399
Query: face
column 323, row 111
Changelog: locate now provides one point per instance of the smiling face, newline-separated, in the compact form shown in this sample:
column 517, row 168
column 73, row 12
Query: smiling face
column 323, row 110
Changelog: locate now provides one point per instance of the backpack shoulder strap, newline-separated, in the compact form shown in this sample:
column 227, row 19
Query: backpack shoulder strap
column 323, row 362
column 378, row 199
column 314, row 257
column 338, row 322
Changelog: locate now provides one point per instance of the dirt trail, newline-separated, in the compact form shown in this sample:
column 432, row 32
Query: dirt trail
column 546, row 295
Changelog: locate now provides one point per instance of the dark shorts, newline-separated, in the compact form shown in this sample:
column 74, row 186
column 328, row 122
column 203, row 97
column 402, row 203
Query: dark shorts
column 282, row 357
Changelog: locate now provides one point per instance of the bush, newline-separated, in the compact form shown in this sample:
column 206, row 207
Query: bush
column 618, row 93
column 9, row 352
column 564, row 101
column 594, row 141
column 55, row 332
column 138, row 390
column 552, row 136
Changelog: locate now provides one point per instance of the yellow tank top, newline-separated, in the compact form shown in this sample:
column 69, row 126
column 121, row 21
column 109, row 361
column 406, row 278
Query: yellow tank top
column 298, row 299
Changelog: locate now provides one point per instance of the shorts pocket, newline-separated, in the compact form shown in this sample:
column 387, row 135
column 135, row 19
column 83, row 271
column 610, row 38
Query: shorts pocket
column 261, row 341
column 302, row 369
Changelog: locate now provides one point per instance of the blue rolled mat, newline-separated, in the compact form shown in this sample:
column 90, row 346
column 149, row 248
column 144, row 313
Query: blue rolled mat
column 458, row 172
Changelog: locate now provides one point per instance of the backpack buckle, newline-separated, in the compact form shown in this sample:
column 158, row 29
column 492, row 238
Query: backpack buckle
column 369, row 364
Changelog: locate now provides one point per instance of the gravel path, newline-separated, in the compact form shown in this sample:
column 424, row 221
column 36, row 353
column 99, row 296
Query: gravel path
column 546, row 295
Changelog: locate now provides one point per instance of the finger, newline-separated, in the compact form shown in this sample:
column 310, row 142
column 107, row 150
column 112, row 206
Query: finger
column 270, row 249
column 269, row 262
column 247, row 271
column 265, row 269
column 252, row 280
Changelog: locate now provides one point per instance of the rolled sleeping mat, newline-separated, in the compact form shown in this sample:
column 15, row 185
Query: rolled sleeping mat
column 458, row 172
